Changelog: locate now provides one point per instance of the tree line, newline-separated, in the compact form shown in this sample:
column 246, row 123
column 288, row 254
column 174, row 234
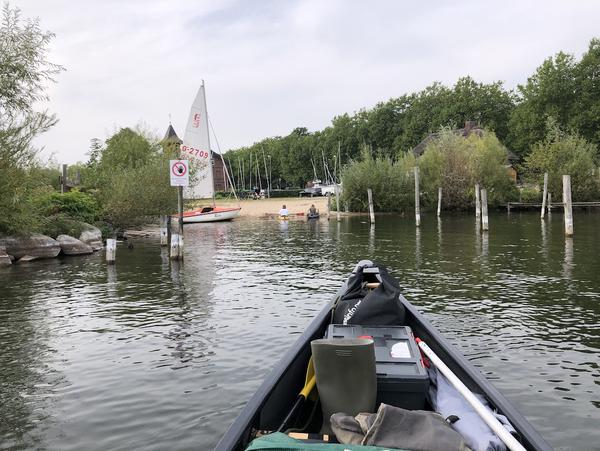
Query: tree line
column 562, row 87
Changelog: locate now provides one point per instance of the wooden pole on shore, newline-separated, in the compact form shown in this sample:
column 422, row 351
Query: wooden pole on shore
column 484, row 210
column 568, row 207
column 371, row 211
column 111, row 250
column 417, row 198
column 63, row 179
column 328, row 207
column 478, row 202
column 544, row 195
column 439, row 210
column 337, row 202
column 180, row 208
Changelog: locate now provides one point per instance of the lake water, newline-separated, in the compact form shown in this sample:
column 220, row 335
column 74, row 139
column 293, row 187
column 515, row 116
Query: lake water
column 154, row 355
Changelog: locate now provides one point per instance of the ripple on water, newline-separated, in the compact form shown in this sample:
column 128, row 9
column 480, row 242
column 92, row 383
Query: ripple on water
column 151, row 354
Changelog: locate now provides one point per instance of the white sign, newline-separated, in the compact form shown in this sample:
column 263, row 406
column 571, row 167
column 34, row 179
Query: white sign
column 180, row 172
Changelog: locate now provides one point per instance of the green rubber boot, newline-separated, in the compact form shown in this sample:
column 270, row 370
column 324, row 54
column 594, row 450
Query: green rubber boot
column 346, row 376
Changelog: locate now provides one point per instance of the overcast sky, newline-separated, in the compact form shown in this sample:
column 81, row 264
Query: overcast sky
column 271, row 66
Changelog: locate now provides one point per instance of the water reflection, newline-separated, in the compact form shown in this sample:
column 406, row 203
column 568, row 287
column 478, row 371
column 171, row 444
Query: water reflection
column 372, row 241
column 418, row 248
column 568, row 259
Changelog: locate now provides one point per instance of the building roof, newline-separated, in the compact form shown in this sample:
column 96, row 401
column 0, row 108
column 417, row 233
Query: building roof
column 170, row 135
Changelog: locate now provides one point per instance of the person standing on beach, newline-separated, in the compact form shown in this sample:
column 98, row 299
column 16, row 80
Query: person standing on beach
column 284, row 212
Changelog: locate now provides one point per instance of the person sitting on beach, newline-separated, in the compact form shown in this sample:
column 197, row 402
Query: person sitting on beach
column 312, row 210
column 284, row 212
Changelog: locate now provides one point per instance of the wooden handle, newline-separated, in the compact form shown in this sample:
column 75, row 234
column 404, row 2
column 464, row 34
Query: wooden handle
column 372, row 285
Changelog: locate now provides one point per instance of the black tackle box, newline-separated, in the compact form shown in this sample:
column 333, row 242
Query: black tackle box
column 402, row 379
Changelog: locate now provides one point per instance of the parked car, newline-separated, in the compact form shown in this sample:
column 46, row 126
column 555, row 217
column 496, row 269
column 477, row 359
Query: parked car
column 311, row 192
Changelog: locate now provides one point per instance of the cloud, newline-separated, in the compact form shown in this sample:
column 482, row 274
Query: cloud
column 271, row 66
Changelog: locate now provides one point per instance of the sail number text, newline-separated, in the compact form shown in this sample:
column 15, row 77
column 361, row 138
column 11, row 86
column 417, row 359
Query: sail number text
column 194, row 151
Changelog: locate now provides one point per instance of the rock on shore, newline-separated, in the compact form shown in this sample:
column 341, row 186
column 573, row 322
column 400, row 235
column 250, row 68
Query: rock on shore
column 40, row 246
column 92, row 236
column 4, row 257
column 73, row 246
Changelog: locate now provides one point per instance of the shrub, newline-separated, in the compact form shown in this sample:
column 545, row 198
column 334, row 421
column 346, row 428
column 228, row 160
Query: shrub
column 61, row 224
column 390, row 182
column 457, row 163
column 74, row 204
column 563, row 153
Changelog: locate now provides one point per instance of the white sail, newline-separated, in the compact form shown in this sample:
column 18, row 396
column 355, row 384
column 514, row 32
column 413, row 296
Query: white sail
column 196, row 147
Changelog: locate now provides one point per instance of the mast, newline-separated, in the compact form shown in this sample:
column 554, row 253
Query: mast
column 210, row 157
column 266, row 173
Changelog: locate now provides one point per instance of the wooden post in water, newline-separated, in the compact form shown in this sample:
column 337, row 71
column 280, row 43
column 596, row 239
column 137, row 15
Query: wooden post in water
column 484, row 210
column 549, row 203
column 111, row 250
column 478, row 202
column 174, row 251
column 439, row 210
column 567, row 205
column 337, row 202
column 371, row 211
column 164, row 232
column 544, row 195
column 417, row 198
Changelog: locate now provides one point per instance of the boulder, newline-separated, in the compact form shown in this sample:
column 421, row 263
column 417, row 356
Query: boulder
column 93, row 236
column 5, row 259
column 73, row 246
column 27, row 258
column 40, row 246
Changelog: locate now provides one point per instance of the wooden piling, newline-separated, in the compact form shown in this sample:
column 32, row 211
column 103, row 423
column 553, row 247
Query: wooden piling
column 544, row 195
column 478, row 202
column 484, row 210
column 328, row 207
column 371, row 211
column 549, row 203
column 174, row 251
column 337, row 203
column 111, row 250
column 164, row 231
column 439, row 210
column 417, row 198
column 568, row 207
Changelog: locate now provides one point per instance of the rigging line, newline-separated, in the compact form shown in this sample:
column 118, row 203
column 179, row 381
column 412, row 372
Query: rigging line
column 223, row 159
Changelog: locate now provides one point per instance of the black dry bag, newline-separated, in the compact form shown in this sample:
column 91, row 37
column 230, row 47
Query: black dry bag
column 362, row 305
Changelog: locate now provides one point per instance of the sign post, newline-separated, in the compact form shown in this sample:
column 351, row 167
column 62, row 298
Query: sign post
column 180, row 177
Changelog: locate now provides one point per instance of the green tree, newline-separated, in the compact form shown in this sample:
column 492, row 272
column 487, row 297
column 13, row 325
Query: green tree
column 25, row 73
column 131, row 172
column 456, row 163
column 561, row 153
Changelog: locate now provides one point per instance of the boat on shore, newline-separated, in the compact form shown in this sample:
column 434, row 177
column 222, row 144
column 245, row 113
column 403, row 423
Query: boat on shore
column 277, row 406
column 210, row 214
column 196, row 146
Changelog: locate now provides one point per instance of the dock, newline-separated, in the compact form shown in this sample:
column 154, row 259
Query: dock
column 531, row 205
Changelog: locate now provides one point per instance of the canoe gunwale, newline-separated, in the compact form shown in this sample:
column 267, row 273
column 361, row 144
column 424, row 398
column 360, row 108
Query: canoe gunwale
column 475, row 380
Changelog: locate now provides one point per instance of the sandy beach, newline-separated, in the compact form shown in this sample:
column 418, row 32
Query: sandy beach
column 253, row 208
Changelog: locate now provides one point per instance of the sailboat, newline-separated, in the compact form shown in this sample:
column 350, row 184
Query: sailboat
column 196, row 146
